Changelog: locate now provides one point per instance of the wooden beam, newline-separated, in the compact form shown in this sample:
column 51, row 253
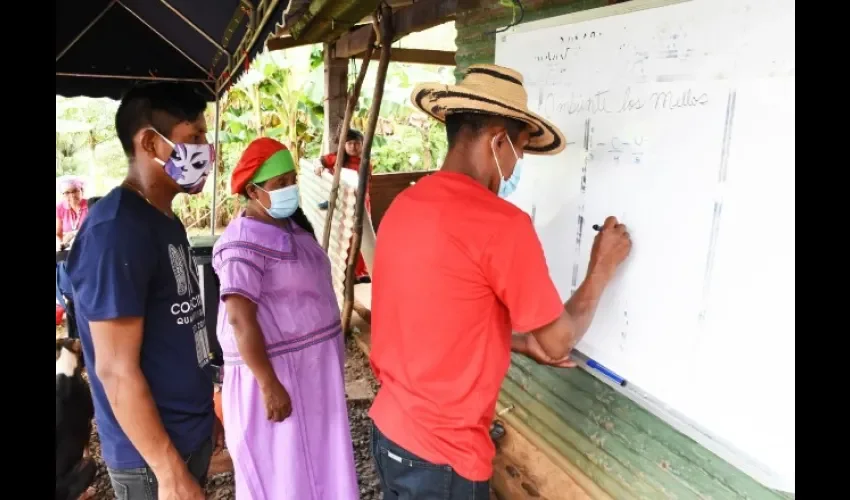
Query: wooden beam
column 511, row 481
column 394, row 4
column 513, row 424
column 419, row 16
column 522, row 470
column 282, row 38
column 343, row 129
column 336, row 89
column 363, row 299
column 420, row 56
column 283, row 43
column 385, row 25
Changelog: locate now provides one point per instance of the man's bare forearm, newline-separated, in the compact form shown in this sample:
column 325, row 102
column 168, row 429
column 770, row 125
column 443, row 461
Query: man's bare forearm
column 582, row 305
column 559, row 337
column 132, row 403
column 610, row 247
column 519, row 343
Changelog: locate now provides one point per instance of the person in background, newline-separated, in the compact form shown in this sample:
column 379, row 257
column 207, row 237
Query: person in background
column 64, row 292
column 457, row 270
column 351, row 155
column 285, row 416
column 138, row 303
column 70, row 212
column 350, row 161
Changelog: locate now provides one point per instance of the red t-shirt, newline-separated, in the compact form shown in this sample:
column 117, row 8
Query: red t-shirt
column 456, row 268
column 352, row 163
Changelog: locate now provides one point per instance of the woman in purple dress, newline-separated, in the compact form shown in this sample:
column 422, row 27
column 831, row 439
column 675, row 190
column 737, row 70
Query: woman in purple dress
column 283, row 397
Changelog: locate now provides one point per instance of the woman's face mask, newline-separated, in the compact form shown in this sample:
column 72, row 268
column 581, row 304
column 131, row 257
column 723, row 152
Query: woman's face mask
column 283, row 201
column 189, row 164
column 507, row 186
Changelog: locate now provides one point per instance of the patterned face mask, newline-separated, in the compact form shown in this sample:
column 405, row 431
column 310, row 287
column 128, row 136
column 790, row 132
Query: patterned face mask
column 189, row 164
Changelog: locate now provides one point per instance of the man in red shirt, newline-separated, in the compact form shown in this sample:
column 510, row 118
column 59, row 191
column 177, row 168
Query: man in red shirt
column 457, row 269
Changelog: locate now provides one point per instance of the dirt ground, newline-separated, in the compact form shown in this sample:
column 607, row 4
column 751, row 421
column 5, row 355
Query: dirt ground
column 220, row 487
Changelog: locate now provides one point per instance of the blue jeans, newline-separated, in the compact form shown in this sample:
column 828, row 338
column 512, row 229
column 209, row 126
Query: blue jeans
column 141, row 484
column 404, row 476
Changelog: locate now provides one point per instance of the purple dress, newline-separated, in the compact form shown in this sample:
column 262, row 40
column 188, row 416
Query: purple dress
column 308, row 456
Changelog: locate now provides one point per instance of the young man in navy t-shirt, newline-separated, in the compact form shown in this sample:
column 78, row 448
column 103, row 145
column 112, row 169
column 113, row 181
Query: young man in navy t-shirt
column 139, row 307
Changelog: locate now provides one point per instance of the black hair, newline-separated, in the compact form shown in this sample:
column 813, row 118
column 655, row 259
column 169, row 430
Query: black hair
column 298, row 217
column 474, row 123
column 160, row 105
column 354, row 135
column 91, row 201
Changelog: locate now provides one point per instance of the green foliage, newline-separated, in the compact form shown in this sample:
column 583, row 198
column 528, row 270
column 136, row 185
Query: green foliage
column 86, row 141
column 317, row 58
column 69, row 149
column 403, row 151
column 280, row 96
column 275, row 99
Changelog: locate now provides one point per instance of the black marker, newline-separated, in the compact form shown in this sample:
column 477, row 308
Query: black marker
column 597, row 227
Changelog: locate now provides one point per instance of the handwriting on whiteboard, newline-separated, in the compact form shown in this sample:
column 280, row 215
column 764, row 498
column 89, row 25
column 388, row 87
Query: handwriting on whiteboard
column 619, row 149
column 612, row 102
column 562, row 54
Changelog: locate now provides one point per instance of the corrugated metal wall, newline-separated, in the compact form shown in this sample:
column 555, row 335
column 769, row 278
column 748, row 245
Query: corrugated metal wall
column 315, row 189
column 627, row 451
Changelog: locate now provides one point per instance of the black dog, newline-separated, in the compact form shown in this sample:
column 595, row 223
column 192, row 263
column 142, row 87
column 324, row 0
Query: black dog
column 74, row 412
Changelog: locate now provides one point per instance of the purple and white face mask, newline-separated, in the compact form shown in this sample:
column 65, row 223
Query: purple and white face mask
column 189, row 164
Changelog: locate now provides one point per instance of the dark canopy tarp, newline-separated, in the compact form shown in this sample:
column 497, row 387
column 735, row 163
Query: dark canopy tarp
column 104, row 47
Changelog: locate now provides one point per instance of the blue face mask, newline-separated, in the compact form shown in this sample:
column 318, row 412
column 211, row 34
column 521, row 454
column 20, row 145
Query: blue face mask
column 507, row 186
column 284, row 201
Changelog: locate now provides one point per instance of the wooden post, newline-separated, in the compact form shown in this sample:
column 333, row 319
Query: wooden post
column 336, row 85
column 340, row 149
column 368, row 241
column 386, row 30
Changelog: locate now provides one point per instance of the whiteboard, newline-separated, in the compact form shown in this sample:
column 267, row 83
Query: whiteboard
column 679, row 119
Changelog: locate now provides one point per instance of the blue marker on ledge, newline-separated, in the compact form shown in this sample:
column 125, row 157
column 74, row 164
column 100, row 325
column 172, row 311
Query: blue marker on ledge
column 605, row 371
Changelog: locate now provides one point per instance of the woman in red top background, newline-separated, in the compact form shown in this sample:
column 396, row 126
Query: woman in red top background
column 351, row 161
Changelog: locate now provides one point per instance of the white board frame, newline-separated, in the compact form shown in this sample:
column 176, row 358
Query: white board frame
column 681, row 423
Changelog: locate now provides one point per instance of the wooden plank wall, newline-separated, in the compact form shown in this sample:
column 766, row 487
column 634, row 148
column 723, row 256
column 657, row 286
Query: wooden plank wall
column 385, row 187
column 625, row 450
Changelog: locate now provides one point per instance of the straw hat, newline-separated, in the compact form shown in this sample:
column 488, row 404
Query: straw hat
column 493, row 90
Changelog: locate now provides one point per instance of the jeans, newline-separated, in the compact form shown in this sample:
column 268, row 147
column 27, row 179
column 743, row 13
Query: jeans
column 140, row 484
column 404, row 476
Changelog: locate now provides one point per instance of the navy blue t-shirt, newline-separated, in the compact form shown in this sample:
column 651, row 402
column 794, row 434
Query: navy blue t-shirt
column 131, row 260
